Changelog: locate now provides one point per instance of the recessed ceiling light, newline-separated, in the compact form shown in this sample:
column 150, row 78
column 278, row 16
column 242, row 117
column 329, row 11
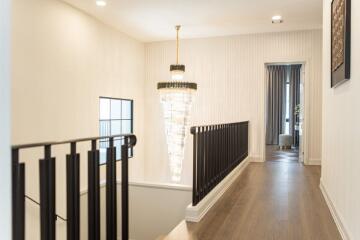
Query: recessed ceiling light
column 101, row 3
column 277, row 19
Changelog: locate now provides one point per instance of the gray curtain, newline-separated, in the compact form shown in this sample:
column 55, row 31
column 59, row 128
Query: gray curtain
column 295, row 74
column 276, row 103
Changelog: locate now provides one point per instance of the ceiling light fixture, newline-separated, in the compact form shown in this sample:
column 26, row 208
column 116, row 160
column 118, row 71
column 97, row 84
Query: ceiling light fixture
column 277, row 19
column 100, row 3
column 176, row 97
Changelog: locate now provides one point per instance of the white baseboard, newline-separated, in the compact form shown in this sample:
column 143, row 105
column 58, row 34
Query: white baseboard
column 343, row 232
column 313, row 161
column 256, row 159
column 196, row 213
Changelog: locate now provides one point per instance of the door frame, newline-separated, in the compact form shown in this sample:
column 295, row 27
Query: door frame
column 306, row 78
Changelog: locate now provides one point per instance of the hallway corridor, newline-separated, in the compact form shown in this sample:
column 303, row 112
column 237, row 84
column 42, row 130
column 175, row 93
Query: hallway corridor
column 275, row 200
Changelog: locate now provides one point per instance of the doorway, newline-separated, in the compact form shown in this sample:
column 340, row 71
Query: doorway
column 284, row 112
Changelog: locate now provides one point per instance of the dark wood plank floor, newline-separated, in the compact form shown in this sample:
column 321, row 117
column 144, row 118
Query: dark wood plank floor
column 275, row 200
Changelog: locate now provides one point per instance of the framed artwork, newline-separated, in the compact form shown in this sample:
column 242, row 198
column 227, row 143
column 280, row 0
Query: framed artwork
column 340, row 41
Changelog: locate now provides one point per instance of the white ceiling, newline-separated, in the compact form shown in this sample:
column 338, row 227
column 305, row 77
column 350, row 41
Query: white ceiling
column 154, row 20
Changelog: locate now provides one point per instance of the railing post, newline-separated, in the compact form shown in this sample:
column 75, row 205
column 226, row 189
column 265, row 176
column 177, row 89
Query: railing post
column 125, row 189
column 94, row 193
column 194, row 197
column 47, row 195
column 73, row 193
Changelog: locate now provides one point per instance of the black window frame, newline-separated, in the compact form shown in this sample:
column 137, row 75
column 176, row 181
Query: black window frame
column 131, row 119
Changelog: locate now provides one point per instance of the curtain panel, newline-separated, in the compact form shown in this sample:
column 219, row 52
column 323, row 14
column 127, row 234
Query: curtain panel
column 276, row 102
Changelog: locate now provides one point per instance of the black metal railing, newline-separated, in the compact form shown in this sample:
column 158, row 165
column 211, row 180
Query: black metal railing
column 47, row 172
column 217, row 150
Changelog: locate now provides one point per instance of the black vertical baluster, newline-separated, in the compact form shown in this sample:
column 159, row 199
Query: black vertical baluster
column 226, row 149
column 209, row 157
column 220, row 157
column 21, row 201
column 243, row 141
column 247, row 138
column 238, row 145
column 125, row 190
column 228, row 167
column 18, row 196
column 94, row 193
column 221, row 160
column 213, row 147
column 201, row 161
column 44, row 201
column 233, row 145
column 206, row 160
column 212, row 151
column 15, row 214
column 226, row 153
column 73, row 193
column 229, row 149
column 240, row 142
column 217, row 157
column 111, row 209
column 47, row 195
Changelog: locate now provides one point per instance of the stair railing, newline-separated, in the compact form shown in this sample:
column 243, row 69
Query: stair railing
column 217, row 150
column 47, row 186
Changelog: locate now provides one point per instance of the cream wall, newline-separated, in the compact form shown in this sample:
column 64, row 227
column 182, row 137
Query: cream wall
column 5, row 170
column 162, row 211
column 341, row 132
column 63, row 60
column 231, row 87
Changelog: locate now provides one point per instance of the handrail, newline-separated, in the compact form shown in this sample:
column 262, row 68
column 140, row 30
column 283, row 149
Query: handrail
column 131, row 143
column 194, row 128
column 37, row 203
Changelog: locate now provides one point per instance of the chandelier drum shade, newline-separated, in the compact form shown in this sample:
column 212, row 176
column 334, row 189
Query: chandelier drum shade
column 176, row 97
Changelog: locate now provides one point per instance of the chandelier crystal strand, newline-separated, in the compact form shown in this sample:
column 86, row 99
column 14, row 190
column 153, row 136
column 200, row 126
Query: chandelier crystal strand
column 176, row 97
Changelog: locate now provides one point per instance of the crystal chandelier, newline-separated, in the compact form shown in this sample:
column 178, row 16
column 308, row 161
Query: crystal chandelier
column 176, row 97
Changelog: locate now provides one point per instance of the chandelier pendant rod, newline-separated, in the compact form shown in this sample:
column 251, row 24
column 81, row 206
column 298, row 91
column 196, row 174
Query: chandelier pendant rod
column 177, row 43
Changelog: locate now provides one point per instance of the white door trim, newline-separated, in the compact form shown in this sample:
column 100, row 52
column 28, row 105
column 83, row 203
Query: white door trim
column 306, row 64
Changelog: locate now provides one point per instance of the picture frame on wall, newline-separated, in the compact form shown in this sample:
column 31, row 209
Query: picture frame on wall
column 340, row 41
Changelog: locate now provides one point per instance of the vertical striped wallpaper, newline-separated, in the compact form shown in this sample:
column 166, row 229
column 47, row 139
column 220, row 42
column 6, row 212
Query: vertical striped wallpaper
column 231, row 87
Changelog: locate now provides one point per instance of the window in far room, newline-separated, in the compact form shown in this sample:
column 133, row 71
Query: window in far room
column 116, row 117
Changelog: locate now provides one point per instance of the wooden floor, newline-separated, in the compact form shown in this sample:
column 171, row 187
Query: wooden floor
column 275, row 200
column 273, row 153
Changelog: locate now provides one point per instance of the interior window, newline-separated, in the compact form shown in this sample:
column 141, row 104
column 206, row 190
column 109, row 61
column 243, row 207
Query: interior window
column 116, row 117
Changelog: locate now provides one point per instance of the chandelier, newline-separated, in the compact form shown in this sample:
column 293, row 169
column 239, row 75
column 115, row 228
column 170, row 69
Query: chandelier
column 176, row 97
